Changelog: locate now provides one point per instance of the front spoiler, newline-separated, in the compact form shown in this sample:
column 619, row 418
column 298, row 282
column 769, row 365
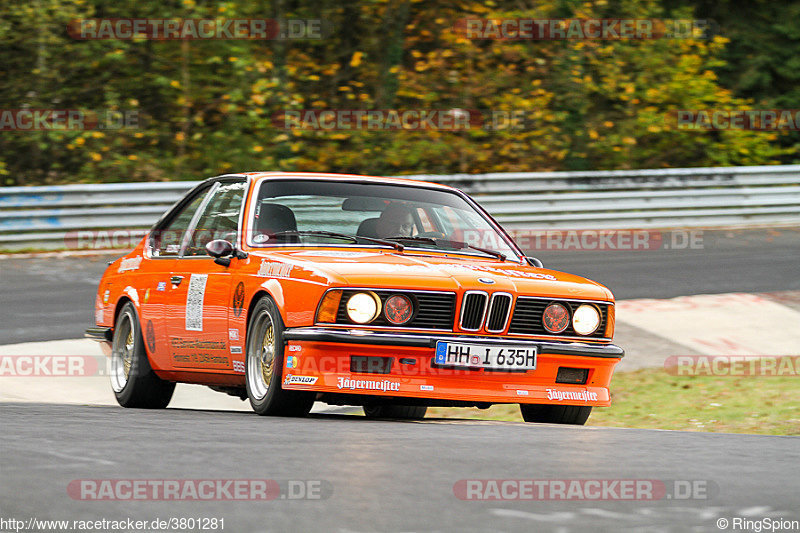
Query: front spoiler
column 356, row 336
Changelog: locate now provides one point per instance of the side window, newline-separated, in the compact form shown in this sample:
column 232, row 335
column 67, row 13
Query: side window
column 220, row 218
column 166, row 241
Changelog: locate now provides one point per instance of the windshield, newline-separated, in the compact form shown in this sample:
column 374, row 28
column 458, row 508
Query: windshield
column 307, row 212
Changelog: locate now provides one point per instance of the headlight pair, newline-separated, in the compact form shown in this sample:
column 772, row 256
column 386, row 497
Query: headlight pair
column 365, row 306
column 585, row 319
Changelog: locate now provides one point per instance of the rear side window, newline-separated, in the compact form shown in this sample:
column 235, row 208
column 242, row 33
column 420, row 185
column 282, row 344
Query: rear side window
column 166, row 241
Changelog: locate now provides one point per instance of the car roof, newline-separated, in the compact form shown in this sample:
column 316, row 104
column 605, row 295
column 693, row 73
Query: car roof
column 258, row 176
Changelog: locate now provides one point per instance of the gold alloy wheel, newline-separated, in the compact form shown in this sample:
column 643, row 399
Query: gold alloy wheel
column 122, row 352
column 127, row 356
column 268, row 354
column 261, row 357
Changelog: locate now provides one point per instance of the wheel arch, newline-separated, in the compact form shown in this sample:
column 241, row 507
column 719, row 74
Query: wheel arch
column 120, row 304
column 259, row 294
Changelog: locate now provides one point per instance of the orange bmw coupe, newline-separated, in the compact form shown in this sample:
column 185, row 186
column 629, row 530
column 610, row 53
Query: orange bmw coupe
column 289, row 288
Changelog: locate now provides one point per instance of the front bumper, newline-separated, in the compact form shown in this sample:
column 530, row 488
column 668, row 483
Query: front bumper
column 355, row 336
column 319, row 359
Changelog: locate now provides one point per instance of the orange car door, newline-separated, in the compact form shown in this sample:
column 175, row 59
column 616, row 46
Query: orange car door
column 200, row 299
column 162, row 250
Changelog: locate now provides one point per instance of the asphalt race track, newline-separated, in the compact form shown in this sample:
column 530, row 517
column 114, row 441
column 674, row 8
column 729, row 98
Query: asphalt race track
column 369, row 475
column 384, row 475
column 48, row 298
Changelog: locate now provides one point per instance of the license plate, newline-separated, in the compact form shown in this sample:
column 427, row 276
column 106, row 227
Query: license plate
column 469, row 355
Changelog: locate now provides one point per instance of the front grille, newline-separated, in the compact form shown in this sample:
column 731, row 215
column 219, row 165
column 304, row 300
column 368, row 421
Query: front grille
column 527, row 319
column 499, row 306
column 433, row 310
column 472, row 310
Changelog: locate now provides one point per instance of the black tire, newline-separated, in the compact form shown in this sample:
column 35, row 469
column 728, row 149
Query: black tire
column 403, row 412
column 264, row 375
column 132, row 378
column 555, row 414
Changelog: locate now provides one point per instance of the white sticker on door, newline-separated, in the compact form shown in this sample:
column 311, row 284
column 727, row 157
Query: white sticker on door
column 194, row 302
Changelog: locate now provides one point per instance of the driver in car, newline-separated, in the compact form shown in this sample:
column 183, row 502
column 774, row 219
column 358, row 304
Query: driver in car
column 395, row 221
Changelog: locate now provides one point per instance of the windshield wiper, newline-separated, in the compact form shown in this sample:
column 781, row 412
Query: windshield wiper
column 355, row 238
column 413, row 239
column 454, row 244
column 499, row 255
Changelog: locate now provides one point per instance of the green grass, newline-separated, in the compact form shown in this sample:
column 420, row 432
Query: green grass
column 651, row 398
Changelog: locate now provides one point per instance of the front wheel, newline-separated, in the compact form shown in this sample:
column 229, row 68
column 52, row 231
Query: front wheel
column 555, row 414
column 403, row 412
column 264, row 366
column 132, row 379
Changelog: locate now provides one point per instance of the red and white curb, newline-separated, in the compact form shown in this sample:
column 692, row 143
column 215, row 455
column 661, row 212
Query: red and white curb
column 709, row 324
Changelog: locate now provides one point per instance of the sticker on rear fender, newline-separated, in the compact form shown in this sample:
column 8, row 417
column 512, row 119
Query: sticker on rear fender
column 492, row 356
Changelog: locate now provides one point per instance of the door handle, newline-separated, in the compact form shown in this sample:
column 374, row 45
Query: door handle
column 176, row 280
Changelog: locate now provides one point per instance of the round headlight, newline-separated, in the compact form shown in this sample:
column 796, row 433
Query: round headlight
column 363, row 307
column 555, row 318
column 398, row 309
column 585, row 320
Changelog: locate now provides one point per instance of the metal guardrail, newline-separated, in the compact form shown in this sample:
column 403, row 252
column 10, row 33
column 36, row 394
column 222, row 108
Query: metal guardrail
column 48, row 217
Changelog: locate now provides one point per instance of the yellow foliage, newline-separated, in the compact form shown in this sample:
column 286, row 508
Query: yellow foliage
column 356, row 59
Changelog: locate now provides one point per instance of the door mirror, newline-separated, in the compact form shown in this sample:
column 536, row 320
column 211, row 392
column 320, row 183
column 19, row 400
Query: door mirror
column 532, row 261
column 219, row 248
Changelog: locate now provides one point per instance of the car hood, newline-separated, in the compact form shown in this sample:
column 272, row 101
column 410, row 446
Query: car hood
column 415, row 270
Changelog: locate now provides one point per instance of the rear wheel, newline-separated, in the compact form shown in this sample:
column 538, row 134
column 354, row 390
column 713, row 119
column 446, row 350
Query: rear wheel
column 405, row 412
column 555, row 414
column 132, row 378
column 264, row 366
